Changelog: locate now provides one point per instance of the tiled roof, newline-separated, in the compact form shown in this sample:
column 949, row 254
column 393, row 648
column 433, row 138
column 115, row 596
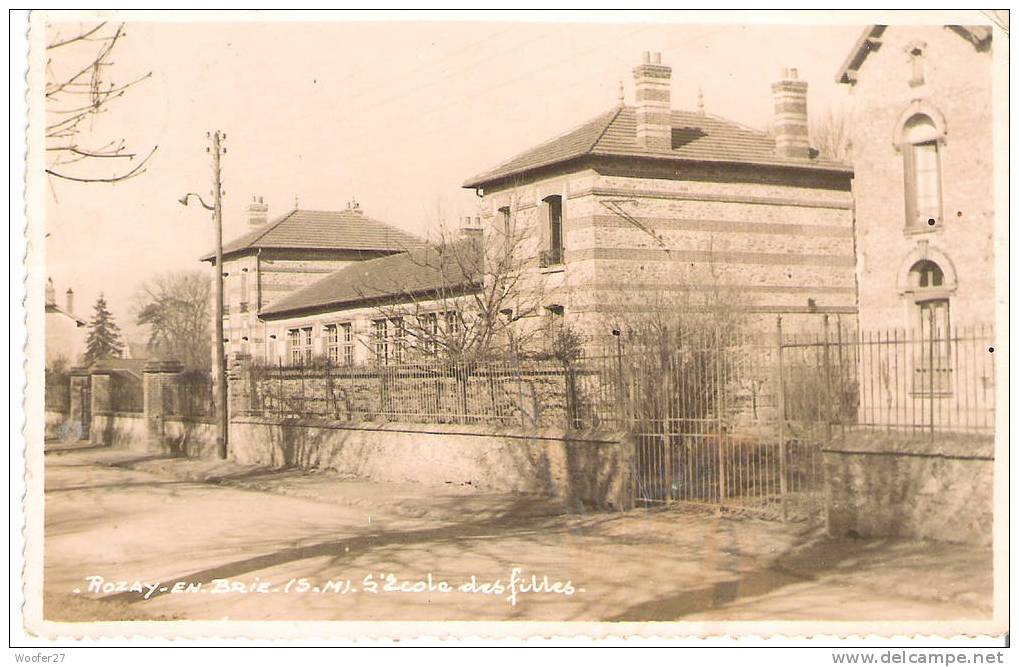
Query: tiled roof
column 330, row 230
column 695, row 136
column 418, row 272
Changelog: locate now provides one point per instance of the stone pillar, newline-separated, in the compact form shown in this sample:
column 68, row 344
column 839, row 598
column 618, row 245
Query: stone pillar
column 102, row 406
column 238, row 381
column 157, row 378
column 80, row 413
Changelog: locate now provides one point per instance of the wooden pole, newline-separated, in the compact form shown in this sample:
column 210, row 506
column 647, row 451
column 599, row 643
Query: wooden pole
column 217, row 215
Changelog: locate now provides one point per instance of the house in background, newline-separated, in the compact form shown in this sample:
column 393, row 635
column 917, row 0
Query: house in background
column 277, row 258
column 923, row 150
column 648, row 207
column 387, row 310
column 65, row 331
column 924, row 189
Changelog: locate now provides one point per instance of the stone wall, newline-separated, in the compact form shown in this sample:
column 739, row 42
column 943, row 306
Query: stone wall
column 195, row 436
column 897, row 485
column 582, row 469
column 124, row 430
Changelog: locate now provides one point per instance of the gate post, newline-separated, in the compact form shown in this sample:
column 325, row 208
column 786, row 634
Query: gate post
column 102, row 406
column 80, row 411
column 157, row 377
column 780, row 410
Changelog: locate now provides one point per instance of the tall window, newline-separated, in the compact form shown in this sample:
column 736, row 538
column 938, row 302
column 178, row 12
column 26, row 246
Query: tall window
column 556, row 320
column 553, row 255
column 922, row 169
column 244, row 291
column 399, row 339
column 299, row 345
column 380, row 335
column 347, row 343
column 505, row 221
column 428, row 324
column 933, row 366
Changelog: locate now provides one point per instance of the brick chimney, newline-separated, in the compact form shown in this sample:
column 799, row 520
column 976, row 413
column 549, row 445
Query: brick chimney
column 70, row 300
column 653, row 82
column 258, row 212
column 51, row 293
column 790, row 96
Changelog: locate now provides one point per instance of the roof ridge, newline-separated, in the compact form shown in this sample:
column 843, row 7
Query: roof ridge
column 564, row 133
column 763, row 133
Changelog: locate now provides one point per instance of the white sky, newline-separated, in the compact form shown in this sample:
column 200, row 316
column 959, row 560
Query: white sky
column 397, row 115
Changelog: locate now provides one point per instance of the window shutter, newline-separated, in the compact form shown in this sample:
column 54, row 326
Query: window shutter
column 909, row 183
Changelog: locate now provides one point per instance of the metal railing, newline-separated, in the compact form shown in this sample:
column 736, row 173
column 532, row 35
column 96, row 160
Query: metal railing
column 717, row 416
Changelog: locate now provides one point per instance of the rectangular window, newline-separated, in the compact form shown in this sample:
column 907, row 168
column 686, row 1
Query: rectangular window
column 347, row 343
column 399, row 339
column 429, row 325
column 243, row 306
column 299, row 345
column 332, row 343
column 380, row 337
column 928, row 183
column 506, row 222
column 933, row 367
column 553, row 254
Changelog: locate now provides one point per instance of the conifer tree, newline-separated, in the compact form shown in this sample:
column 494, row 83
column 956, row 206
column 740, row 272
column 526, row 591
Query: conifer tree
column 103, row 335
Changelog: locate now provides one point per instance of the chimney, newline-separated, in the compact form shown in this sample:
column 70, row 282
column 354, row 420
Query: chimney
column 70, row 300
column 790, row 96
column 51, row 293
column 258, row 212
column 654, row 106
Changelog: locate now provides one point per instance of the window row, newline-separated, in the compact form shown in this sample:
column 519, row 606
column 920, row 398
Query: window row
column 389, row 339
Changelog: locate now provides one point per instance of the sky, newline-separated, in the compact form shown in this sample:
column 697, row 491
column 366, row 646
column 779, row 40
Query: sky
column 393, row 114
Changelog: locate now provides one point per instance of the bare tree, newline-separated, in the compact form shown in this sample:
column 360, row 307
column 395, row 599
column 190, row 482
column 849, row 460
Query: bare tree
column 469, row 292
column 831, row 134
column 175, row 308
column 79, row 89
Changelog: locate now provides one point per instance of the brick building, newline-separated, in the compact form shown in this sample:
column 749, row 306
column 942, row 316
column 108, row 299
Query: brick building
column 641, row 207
column 645, row 206
column 924, row 184
column 277, row 258
column 389, row 309
column 924, row 188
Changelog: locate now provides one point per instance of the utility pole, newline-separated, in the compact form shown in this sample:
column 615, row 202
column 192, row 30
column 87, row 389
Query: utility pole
column 219, row 371
column 217, row 215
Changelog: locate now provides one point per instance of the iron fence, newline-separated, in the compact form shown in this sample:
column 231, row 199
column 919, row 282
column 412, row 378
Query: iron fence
column 126, row 392
column 190, row 396
column 57, row 397
column 719, row 417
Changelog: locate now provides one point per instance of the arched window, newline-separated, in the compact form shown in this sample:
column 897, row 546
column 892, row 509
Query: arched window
column 922, row 170
column 926, row 273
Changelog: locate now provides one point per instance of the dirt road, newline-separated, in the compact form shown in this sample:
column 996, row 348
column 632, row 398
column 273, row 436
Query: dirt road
column 357, row 551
